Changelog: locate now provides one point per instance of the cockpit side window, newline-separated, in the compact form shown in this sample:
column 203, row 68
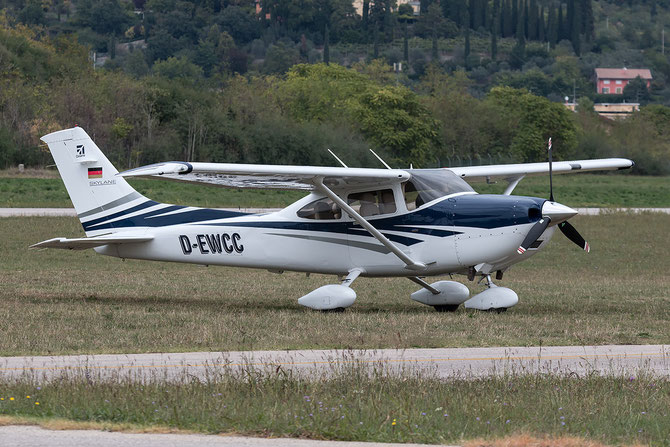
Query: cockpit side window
column 373, row 203
column 322, row 209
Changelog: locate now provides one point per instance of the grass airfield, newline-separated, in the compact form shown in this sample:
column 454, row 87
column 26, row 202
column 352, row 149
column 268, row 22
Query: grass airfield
column 73, row 302
column 66, row 302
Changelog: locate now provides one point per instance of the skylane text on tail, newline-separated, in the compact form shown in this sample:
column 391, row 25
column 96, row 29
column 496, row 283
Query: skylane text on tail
column 413, row 223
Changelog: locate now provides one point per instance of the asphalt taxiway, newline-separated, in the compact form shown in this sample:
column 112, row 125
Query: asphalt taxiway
column 31, row 436
column 443, row 363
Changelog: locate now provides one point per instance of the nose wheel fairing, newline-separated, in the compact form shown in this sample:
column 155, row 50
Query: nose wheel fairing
column 493, row 298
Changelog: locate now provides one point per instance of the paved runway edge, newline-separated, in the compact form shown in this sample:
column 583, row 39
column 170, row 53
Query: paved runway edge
column 28, row 436
column 443, row 362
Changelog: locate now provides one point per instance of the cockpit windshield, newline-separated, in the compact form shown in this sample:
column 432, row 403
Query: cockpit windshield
column 426, row 185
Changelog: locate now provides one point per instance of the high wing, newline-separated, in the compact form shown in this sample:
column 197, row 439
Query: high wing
column 83, row 243
column 269, row 176
column 511, row 172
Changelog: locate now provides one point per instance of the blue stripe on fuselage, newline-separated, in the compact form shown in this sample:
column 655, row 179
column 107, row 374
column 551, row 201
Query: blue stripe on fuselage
column 147, row 219
column 475, row 211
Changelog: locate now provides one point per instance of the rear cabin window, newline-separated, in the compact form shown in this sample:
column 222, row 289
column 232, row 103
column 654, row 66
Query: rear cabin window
column 373, row 203
column 322, row 209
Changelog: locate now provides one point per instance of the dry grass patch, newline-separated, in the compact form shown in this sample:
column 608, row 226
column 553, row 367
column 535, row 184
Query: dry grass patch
column 526, row 440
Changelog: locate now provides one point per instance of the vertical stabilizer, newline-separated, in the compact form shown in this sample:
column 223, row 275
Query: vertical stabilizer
column 89, row 177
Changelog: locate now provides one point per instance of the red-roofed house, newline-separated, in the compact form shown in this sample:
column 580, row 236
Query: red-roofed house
column 613, row 80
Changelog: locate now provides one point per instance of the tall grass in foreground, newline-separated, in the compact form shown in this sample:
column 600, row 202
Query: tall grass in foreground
column 357, row 403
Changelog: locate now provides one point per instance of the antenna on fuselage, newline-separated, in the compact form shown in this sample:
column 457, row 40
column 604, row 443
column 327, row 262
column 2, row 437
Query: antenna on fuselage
column 337, row 158
column 380, row 159
column 551, row 184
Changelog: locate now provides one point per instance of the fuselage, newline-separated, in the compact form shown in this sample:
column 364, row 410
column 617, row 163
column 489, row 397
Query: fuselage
column 449, row 234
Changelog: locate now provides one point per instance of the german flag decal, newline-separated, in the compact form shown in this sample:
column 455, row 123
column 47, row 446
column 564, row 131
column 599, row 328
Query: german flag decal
column 94, row 172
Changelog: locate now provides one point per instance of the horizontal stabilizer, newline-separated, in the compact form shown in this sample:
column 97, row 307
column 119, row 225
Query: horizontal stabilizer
column 89, row 242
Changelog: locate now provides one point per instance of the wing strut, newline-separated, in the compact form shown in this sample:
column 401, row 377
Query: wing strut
column 513, row 181
column 411, row 264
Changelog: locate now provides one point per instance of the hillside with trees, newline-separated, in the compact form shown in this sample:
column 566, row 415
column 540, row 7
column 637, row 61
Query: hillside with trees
column 210, row 80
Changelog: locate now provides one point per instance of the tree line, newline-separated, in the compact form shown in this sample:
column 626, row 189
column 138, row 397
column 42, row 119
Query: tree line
column 49, row 84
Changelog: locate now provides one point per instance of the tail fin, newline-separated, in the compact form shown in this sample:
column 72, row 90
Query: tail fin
column 89, row 177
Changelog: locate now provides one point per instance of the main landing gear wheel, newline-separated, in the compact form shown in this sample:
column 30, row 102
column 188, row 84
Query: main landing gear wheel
column 447, row 307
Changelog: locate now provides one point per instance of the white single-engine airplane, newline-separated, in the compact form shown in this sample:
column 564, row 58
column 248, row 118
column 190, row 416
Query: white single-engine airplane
column 354, row 222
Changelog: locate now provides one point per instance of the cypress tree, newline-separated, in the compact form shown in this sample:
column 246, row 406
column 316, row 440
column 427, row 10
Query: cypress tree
column 533, row 21
column 474, row 14
column 405, row 47
column 388, row 21
column 526, row 23
column 326, row 46
column 464, row 18
column 576, row 28
column 518, row 55
column 588, row 28
column 453, row 11
column 466, row 51
column 366, row 13
column 494, row 31
column 521, row 29
column 495, row 17
column 486, row 16
column 561, row 24
column 541, row 28
column 503, row 18
column 375, row 46
column 446, row 9
column 570, row 20
column 515, row 16
column 552, row 27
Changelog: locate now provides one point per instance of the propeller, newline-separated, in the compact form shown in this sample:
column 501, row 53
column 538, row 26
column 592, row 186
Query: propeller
column 571, row 233
column 566, row 228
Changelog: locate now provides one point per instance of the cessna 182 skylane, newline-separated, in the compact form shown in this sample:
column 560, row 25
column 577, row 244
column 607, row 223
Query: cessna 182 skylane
column 412, row 223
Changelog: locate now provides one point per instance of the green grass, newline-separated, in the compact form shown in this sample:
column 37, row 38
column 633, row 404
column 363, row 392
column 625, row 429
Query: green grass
column 580, row 190
column 355, row 404
column 592, row 190
column 51, row 193
column 60, row 302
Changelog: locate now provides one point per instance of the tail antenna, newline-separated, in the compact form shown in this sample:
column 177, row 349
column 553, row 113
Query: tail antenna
column 551, row 184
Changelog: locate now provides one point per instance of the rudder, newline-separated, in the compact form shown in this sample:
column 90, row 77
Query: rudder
column 89, row 177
